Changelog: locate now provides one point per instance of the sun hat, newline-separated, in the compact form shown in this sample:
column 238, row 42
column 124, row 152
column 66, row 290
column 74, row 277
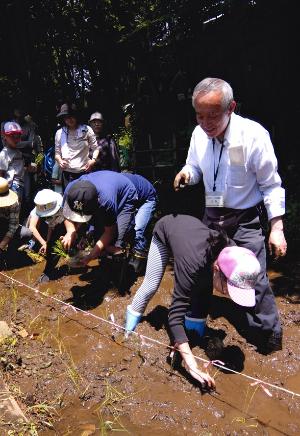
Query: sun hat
column 241, row 269
column 67, row 110
column 7, row 196
column 47, row 202
column 11, row 128
column 96, row 116
column 80, row 201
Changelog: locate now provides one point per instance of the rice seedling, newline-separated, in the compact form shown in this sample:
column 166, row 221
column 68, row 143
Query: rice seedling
column 34, row 320
column 2, row 302
column 35, row 257
column 111, row 399
column 72, row 371
column 15, row 297
column 247, row 420
column 59, row 250
column 20, row 429
column 43, row 409
column 106, row 426
column 15, row 390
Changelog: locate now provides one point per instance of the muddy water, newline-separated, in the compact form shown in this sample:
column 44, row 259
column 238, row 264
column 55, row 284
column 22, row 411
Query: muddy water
column 104, row 382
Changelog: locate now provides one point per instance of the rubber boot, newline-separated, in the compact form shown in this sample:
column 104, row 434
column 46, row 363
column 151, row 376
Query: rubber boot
column 195, row 325
column 138, row 261
column 132, row 319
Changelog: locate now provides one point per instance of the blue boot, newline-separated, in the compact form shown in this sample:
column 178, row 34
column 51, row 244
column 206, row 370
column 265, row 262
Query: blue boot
column 132, row 319
column 195, row 324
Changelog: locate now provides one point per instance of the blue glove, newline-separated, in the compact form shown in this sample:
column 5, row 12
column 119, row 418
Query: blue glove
column 196, row 324
column 132, row 319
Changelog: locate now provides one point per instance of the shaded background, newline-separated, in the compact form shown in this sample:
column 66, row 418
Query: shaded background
column 107, row 53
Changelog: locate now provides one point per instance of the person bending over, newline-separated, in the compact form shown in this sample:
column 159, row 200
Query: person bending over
column 194, row 247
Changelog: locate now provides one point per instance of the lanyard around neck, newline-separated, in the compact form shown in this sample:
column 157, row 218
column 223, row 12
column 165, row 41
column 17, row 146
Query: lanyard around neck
column 216, row 170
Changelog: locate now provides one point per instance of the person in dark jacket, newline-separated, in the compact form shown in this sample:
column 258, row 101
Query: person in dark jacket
column 194, row 247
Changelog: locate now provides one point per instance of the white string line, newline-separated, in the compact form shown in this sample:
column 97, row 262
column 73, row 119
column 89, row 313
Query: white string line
column 77, row 309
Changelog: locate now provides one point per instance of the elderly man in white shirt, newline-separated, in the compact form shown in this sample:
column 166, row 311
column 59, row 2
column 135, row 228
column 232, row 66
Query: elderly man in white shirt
column 236, row 159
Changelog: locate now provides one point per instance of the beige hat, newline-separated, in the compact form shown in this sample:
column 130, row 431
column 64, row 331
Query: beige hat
column 96, row 116
column 7, row 196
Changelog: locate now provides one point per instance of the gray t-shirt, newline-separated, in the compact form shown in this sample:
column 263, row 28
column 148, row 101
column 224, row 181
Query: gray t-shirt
column 12, row 163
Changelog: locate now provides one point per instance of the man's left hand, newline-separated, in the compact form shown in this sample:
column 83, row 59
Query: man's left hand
column 89, row 165
column 277, row 243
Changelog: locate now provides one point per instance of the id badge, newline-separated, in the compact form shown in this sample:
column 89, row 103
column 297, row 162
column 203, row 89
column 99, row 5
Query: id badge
column 214, row 199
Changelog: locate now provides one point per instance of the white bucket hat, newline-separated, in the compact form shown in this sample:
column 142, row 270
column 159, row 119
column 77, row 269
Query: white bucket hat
column 47, row 202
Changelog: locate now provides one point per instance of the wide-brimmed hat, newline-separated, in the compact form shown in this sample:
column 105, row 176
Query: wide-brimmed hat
column 96, row 116
column 47, row 203
column 7, row 196
column 67, row 110
column 241, row 269
column 80, row 201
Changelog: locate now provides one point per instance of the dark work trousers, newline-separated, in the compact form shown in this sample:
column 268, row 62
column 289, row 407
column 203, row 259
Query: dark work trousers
column 52, row 258
column 245, row 227
column 68, row 177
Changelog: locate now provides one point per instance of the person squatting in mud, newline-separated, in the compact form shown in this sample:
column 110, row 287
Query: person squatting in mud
column 203, row 259
column 107, row 201
column 236, row 159
column 47, row 212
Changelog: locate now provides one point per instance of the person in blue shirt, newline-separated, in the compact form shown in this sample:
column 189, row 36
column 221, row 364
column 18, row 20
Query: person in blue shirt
column 146, row 205
column 107, row 200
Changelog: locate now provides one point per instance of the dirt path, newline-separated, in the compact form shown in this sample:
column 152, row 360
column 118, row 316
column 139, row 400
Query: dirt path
column 73, row 375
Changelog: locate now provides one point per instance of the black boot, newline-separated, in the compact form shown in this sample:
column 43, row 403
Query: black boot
column 138, row 261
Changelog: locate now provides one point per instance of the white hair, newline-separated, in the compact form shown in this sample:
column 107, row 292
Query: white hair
column 214, row 84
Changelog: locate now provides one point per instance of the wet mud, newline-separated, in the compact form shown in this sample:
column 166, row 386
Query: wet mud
column 73, row 374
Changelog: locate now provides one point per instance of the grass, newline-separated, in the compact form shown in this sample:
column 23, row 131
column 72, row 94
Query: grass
column 249, row 422
column 15, row 297
column 20, row 429
column 2, row 302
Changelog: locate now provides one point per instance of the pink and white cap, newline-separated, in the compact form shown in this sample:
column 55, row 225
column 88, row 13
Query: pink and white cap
column 12, row 127
column 241, row 269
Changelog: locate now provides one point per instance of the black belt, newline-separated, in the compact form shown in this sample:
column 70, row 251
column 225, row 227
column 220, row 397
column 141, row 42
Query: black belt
column 223, row 213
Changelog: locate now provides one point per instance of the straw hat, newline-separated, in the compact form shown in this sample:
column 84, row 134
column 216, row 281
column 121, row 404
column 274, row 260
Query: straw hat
column 7, row 196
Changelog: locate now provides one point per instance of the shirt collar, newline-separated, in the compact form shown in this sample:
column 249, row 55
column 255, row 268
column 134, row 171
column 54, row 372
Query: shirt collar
column 232, row 132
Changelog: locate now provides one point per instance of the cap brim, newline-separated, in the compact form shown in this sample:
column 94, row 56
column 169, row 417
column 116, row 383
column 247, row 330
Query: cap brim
column 73, row 216
column 52, row 211
column 62, row 114
column 8, row 200
column 242, row 297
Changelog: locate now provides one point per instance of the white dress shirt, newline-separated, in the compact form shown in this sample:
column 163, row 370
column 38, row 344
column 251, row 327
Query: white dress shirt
column 248, row 166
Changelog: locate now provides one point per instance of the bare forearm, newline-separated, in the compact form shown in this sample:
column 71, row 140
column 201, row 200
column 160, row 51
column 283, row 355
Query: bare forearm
column 276, row 224
column 4, row 243
column 103, row 242
column 37, row 235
